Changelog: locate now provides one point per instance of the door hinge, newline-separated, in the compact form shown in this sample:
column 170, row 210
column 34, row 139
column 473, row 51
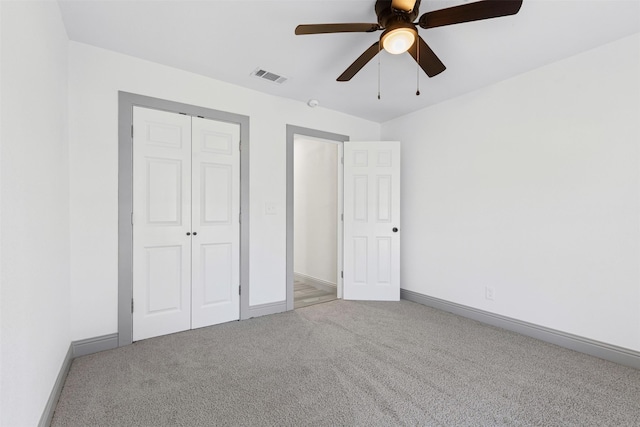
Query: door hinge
column 240, row 217
column 131, row 305
column 131, row 218
column 240, row 146
column 131, row 131
column 342, row 274
column 342, row 217
column 239, row 290
column 342, row 160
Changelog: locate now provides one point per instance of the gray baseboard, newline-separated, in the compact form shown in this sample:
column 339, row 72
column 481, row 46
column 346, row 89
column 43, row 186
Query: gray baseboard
column 269, row 308
column 94, row 345
column 76, row 349
column 315, row 282
column 621, row 355
column 49, row 409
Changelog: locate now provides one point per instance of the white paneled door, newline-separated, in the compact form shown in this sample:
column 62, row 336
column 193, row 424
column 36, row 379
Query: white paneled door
column 185, row 222
column 372, row 221
column 215, row 275
column 161, row 217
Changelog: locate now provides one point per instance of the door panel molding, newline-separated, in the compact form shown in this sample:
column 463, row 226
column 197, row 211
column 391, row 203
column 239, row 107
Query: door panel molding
column 126, row 102
column 291, row 132
column 215, row 256
column 162, row 213
column 372, row 220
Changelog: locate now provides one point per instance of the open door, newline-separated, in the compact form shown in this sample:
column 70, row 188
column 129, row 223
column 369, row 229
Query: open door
column 372, row 221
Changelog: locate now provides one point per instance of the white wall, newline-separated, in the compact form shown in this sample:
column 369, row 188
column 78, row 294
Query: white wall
column 35, row 208
column 315, row 208
column 95, row 77
column 531, row 186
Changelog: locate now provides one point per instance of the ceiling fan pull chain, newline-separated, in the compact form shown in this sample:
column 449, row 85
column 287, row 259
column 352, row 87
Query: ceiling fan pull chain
column 417, row 68
column 379, row 71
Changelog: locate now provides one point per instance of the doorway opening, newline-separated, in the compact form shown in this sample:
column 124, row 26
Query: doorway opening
column 314, row 216
column 315, row 220
column 126, row 104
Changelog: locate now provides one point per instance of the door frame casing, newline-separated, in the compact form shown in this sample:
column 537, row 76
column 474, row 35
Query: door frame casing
column 313, row 133
column 126, row 102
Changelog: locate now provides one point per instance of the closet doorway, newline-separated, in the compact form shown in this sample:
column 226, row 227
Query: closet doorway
column 186, row 224
column 183, row 217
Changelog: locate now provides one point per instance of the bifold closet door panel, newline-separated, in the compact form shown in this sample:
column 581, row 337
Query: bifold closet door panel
column 216, row 222
column 161, row 220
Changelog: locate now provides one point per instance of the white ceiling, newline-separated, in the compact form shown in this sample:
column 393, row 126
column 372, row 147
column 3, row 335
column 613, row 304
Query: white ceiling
column 227, row 40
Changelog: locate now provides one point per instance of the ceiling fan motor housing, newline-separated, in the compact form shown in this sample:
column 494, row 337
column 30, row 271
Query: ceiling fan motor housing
column 388, row 16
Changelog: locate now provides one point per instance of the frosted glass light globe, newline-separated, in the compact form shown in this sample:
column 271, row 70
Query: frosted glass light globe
column 399, row 40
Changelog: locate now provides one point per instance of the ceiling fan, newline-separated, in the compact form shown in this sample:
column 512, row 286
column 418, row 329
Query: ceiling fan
column 399, row 33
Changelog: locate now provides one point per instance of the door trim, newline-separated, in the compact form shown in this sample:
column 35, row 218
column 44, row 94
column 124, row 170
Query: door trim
column 126, row 102
column 291, row 132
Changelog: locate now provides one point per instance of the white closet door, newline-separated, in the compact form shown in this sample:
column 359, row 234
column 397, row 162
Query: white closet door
column 372, row 220
column 216, row 222
column 161, row 218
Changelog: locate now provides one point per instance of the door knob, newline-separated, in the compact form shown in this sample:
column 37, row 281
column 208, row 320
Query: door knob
column 395, row 229
column 188, row 234
column 195, row 233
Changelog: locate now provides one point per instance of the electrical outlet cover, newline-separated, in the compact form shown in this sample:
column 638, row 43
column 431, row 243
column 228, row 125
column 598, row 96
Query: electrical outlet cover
column 489, row 293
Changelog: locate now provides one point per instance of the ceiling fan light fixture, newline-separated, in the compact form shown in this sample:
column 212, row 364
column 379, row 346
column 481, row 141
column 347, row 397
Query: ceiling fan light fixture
column 399, row 40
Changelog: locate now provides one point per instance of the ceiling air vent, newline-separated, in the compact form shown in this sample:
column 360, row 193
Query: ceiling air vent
column 267, row 75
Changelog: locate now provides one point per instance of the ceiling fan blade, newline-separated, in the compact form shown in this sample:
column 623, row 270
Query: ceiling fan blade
column 360, row 62
column 427, row 59
column 470, row 12
column 406, row 5
column 336, row 28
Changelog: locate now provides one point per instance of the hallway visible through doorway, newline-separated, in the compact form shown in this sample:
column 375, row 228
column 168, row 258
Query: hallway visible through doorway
column 316, row 217
column 306, row 292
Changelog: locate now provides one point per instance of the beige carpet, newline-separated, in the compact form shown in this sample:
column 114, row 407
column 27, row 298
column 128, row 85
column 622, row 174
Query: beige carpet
column 347, row 363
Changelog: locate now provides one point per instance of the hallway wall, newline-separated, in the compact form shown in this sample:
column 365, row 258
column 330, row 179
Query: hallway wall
column 315, row 209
